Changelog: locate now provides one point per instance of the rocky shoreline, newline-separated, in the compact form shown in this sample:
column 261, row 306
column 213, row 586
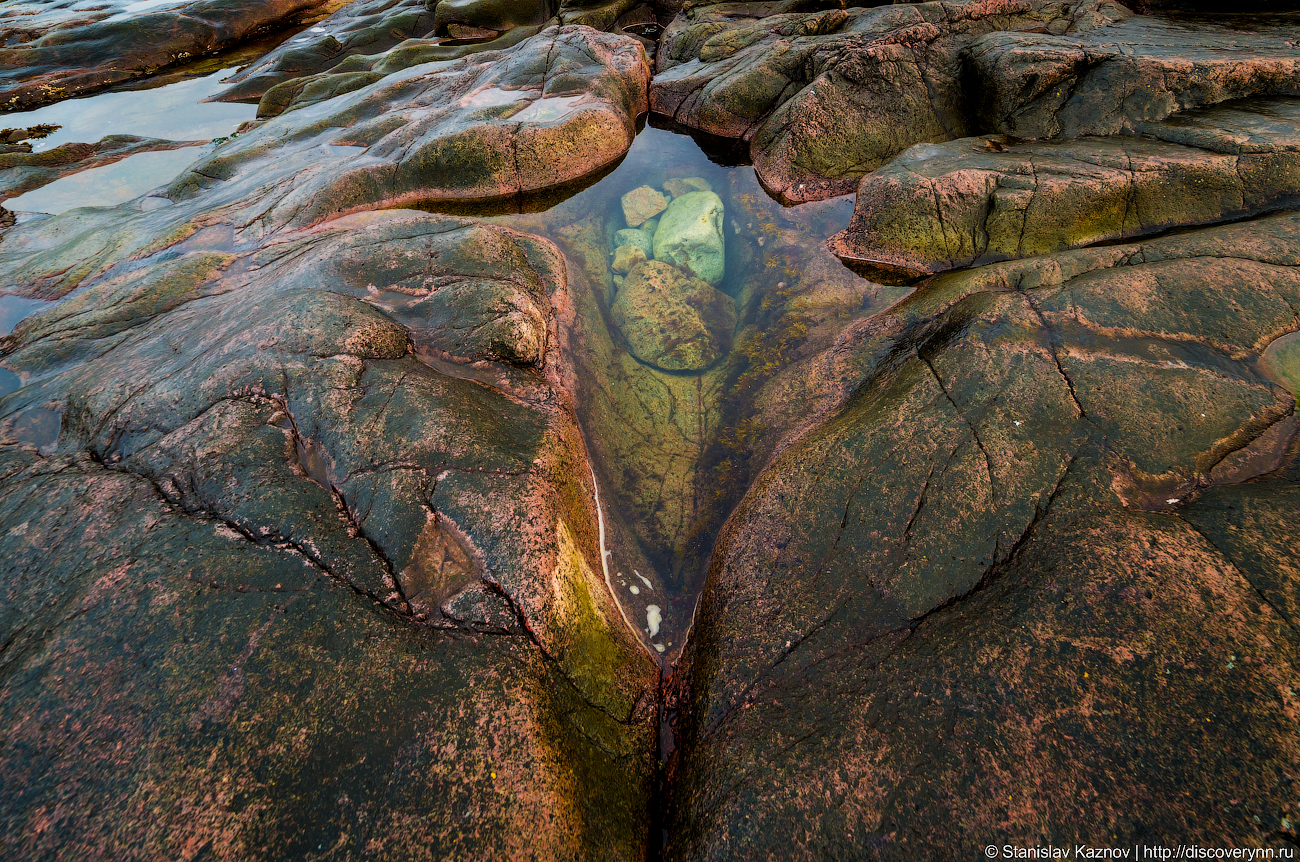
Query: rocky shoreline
column 675, row 430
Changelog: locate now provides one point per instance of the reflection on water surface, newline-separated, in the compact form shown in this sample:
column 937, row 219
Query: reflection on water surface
column 173, row 112
column 108, row 185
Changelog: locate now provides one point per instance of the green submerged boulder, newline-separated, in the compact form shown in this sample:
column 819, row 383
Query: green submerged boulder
column 690, row 236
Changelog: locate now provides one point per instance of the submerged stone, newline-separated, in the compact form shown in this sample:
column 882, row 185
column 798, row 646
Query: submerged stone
column 690, row 235
column 672, row 320
column 642, row 239
column 679, row 187
column 642, row 203
column 628, row 256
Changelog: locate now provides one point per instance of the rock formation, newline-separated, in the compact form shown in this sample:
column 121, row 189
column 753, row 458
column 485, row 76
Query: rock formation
column 885, row 450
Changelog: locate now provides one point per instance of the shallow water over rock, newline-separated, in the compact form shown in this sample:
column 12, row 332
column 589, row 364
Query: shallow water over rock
column 675, row 443
column 109, row 185
column 175, row 112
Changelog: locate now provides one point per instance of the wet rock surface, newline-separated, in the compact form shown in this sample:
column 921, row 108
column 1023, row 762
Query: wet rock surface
column 361, row 34
column 56, row 50
column 1011, row 534
column 485, row 127
column 1108, row 79
column 823, row 97
column 939, row 207
column 251, row 437
column 454, row 463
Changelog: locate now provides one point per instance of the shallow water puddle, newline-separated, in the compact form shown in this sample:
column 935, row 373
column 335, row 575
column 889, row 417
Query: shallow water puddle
column 33, row 426
column 130, row 10
column 173, row 112
column 108, row 185
column 686, row 299
column 15, row 308
column 1281, row 362
column 548, row 109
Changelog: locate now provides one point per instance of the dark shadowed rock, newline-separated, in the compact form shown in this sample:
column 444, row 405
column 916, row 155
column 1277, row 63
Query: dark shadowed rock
column 984, row 572
column 56, row 52
column 941, row 206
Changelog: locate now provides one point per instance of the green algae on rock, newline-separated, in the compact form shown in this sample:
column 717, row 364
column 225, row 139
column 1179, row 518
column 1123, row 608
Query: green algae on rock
column 1142, row 69
column 464, row 129
column 823, row 97
column 1012, row 443
column 974, row 200
column 671, row 319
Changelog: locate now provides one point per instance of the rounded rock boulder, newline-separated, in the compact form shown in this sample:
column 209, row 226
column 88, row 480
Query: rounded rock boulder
column 671, row 319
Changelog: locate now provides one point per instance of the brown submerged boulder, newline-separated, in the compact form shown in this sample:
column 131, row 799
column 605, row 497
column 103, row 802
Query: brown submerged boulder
column 671, row 319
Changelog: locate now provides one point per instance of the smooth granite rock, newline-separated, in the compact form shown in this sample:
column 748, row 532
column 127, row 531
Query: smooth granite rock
column 992, row 565
column 824, row 97
column 336, row 528
column 342, row 570
column 486, row 126
column 55, row 50
column 975, row 200
column 1138, row 70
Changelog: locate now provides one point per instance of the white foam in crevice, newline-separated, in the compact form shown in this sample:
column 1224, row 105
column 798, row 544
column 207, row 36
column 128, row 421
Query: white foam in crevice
column 649, row 586
column 605, row 553
column 652, row 619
